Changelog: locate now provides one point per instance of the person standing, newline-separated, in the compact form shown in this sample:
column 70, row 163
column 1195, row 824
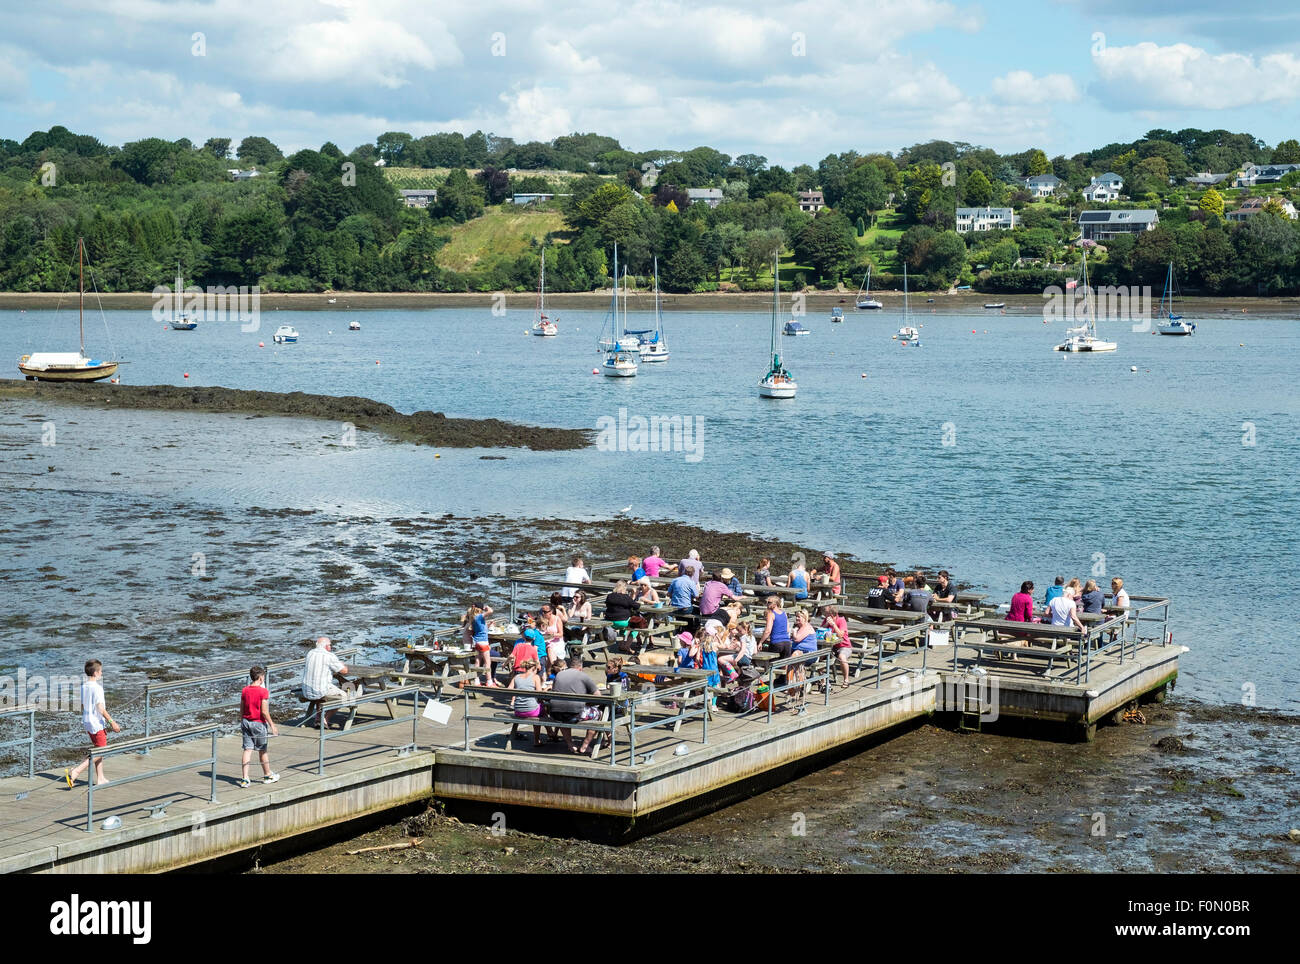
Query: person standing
column 95, row 718
column 256, row 726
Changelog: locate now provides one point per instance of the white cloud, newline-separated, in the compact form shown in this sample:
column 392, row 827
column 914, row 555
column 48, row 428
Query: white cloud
column 1022, row 87
column 1147, row 75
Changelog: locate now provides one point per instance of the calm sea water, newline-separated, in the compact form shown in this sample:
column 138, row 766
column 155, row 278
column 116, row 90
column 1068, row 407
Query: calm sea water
column 983, row 451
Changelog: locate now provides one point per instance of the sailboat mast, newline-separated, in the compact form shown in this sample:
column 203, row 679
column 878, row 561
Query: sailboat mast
column 776, row 297
column 541, row 290
column 81, row 294
column 658, row 319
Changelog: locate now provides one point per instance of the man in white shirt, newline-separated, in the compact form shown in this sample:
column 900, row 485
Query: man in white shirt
column 575, row 573
column 318, row 671
column 1064, row 611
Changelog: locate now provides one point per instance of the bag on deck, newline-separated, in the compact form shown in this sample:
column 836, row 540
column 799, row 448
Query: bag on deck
column 741, row 701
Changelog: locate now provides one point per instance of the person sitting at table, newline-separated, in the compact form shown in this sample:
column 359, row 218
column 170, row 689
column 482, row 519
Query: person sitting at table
column 1092, row 597
column 1064, row 610
column 839, row 627
column 943, row 593
column 730, row 650
column 748, row 642
column 798, row 579
column 614, row 671
column 653, row 563
column 551, row 624
column 1054, row 590
column 531, row 644
column 572, row 680
column 528, row 680
column 918, row 597
column 557, row 666
column 635, row 568
column 682, row 592
column 619, row 606
column 880, row 596
column 776, row 630
column 318, row 675
column 645, row 593
column 734, row 584
column 1022, row 604
column 1118, row 592
column 691, row 566
column 711, row 596
column 898, row 588
column 763, row 574
column 688, row 651
column 829, row 570
column 474, row 625
column 803, row 640
column 577, row 612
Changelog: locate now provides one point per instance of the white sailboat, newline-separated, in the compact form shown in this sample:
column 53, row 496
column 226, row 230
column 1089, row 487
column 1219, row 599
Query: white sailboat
column 777, row 383
column 651, row 340
column 908, row 334
column 864, row 299
column 611, row 337
column 620, row 361
column 543, row 327
column 1084, row 337
column 1171, row 324
column 66, row 366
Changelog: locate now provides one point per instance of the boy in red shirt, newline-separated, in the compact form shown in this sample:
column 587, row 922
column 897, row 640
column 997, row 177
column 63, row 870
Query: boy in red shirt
column 255, row 710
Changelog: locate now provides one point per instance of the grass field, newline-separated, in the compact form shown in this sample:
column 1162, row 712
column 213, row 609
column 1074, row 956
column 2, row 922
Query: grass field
column 502, row 231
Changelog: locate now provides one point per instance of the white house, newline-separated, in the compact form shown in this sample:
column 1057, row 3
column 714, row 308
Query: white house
column 1253, row 174
column 811, row 201
column 419, row 199
column 712, row 196
column 1104, row 225
column 1042, row 185
column 1104, row 188
column 1253, row 205
column 985, row 219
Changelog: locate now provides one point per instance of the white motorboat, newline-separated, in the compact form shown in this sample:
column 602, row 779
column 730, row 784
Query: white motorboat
column 354, row 326
column 908, row 333
column 795, row 328
column 285, row 335
column 837, row 314
column 777, row 383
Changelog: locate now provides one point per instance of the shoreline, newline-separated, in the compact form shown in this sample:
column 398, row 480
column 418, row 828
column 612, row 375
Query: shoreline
column 420, row 428
column 748, row 301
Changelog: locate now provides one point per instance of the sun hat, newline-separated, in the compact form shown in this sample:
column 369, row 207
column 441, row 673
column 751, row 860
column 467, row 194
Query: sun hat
column 686, row 638
column 727, row 573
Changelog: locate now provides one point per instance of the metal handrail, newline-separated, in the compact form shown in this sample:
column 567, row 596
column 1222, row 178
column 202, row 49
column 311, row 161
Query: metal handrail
column 30, row 742
column 377, row 696
column 825, row 677
column 152, row 689
column 145, row 743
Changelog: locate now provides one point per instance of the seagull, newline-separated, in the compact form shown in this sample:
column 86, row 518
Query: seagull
column 626, row 509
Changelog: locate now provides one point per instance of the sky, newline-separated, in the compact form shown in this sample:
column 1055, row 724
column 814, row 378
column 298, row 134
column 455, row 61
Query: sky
column 790, row 81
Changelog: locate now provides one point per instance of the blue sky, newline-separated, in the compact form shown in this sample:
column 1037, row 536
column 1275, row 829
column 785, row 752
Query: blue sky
column 791, row 81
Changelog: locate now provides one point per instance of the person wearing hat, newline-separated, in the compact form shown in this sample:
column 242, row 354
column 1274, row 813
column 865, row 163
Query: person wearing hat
column 688, row 653
column 712, row 593
column 879, row 596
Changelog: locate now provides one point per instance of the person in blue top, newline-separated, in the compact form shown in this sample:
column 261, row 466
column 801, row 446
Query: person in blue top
column 682, row 592
column 777, row 631
column 1054, row 590
column 474, row 626
column 798, row 579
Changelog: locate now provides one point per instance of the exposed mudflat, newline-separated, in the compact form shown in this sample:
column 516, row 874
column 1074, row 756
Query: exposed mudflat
column 935, row 800
column 422, row 428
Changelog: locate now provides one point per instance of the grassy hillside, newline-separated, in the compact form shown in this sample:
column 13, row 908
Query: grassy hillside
column 502, row 231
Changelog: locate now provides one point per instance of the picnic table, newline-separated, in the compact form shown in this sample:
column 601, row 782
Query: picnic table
column 358, row 678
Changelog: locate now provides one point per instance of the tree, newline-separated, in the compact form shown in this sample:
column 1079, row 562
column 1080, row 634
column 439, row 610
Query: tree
column 1274, row 207
column 864, row 192
column 218, row 147
column 1212, row 204
column 978, row 191
column 1037, row 163
column 752, row 163
column 685, row 269
column 1287, row 152
column 392, row 146
column 827, row 244
column 496, row 184
column 258, row 151
column 150, row 161
column 774, row 180
column 591, row 211
column 761, row 248
column 947, row 257
column 458, row 198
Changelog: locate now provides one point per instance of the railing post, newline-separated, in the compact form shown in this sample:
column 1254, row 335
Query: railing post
column 415, row 717
column 320, row 748
column 828, row 678
column 212, row 795
column 707, row 696
column 465, row 699
column 90, row 796
column 147, row 721
column 880, row 656
column 31, row 745
column 631, row 732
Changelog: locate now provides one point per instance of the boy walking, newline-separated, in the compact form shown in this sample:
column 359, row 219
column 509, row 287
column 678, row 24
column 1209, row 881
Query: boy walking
column 93, row 717
column 255, row 710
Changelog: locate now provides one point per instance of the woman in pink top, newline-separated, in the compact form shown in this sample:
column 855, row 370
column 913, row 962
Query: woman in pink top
column 838, row 625
column 1022, row 604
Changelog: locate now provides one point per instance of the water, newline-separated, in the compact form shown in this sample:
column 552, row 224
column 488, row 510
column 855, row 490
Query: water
column 1054, row 464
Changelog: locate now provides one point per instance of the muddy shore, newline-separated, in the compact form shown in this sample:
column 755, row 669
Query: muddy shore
column 421, row 428
column 1155, row 796
column 817, row 302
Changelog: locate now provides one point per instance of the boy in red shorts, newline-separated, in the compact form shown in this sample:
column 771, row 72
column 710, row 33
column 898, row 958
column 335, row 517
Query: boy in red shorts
column 93, row 717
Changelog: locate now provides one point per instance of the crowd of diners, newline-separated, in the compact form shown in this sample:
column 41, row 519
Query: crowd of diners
column 719, row 637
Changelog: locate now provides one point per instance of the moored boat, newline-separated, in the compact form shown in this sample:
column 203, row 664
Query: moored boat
column 67, row 366
column 777, row 383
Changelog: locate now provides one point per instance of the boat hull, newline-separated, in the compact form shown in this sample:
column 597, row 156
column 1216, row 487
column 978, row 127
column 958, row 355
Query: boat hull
column 648, row 358
column 69, row 374
column 777, row 391
column 1093, row 347
column 869, row 306
column 549, row 332
column 614, row 371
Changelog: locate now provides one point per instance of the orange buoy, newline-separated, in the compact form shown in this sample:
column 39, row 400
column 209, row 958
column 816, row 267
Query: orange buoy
column 187, row 374
column 261, row 344
column 595, row 371
column 376, row 361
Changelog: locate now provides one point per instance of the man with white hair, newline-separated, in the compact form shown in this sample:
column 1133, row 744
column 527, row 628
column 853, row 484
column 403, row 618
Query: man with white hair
column 691, row 566
column 318, row 682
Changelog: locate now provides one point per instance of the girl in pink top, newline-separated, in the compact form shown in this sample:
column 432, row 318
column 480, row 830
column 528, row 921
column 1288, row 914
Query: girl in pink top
column 1022, row 604
column 838, row 625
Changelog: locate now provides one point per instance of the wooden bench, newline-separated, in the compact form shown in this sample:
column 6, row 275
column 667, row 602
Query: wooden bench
column 1033, row 639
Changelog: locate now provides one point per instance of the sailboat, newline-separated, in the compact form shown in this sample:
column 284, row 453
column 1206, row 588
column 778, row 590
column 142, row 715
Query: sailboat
column 611, row 336
column 1171, row 324
column 620, row 360
column 66, row 366
column 1084, row 338
column 777, row 383
column 650, row 340
column 543, row 326
column 864, row 299
column 908, row 333
column 182, row 320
